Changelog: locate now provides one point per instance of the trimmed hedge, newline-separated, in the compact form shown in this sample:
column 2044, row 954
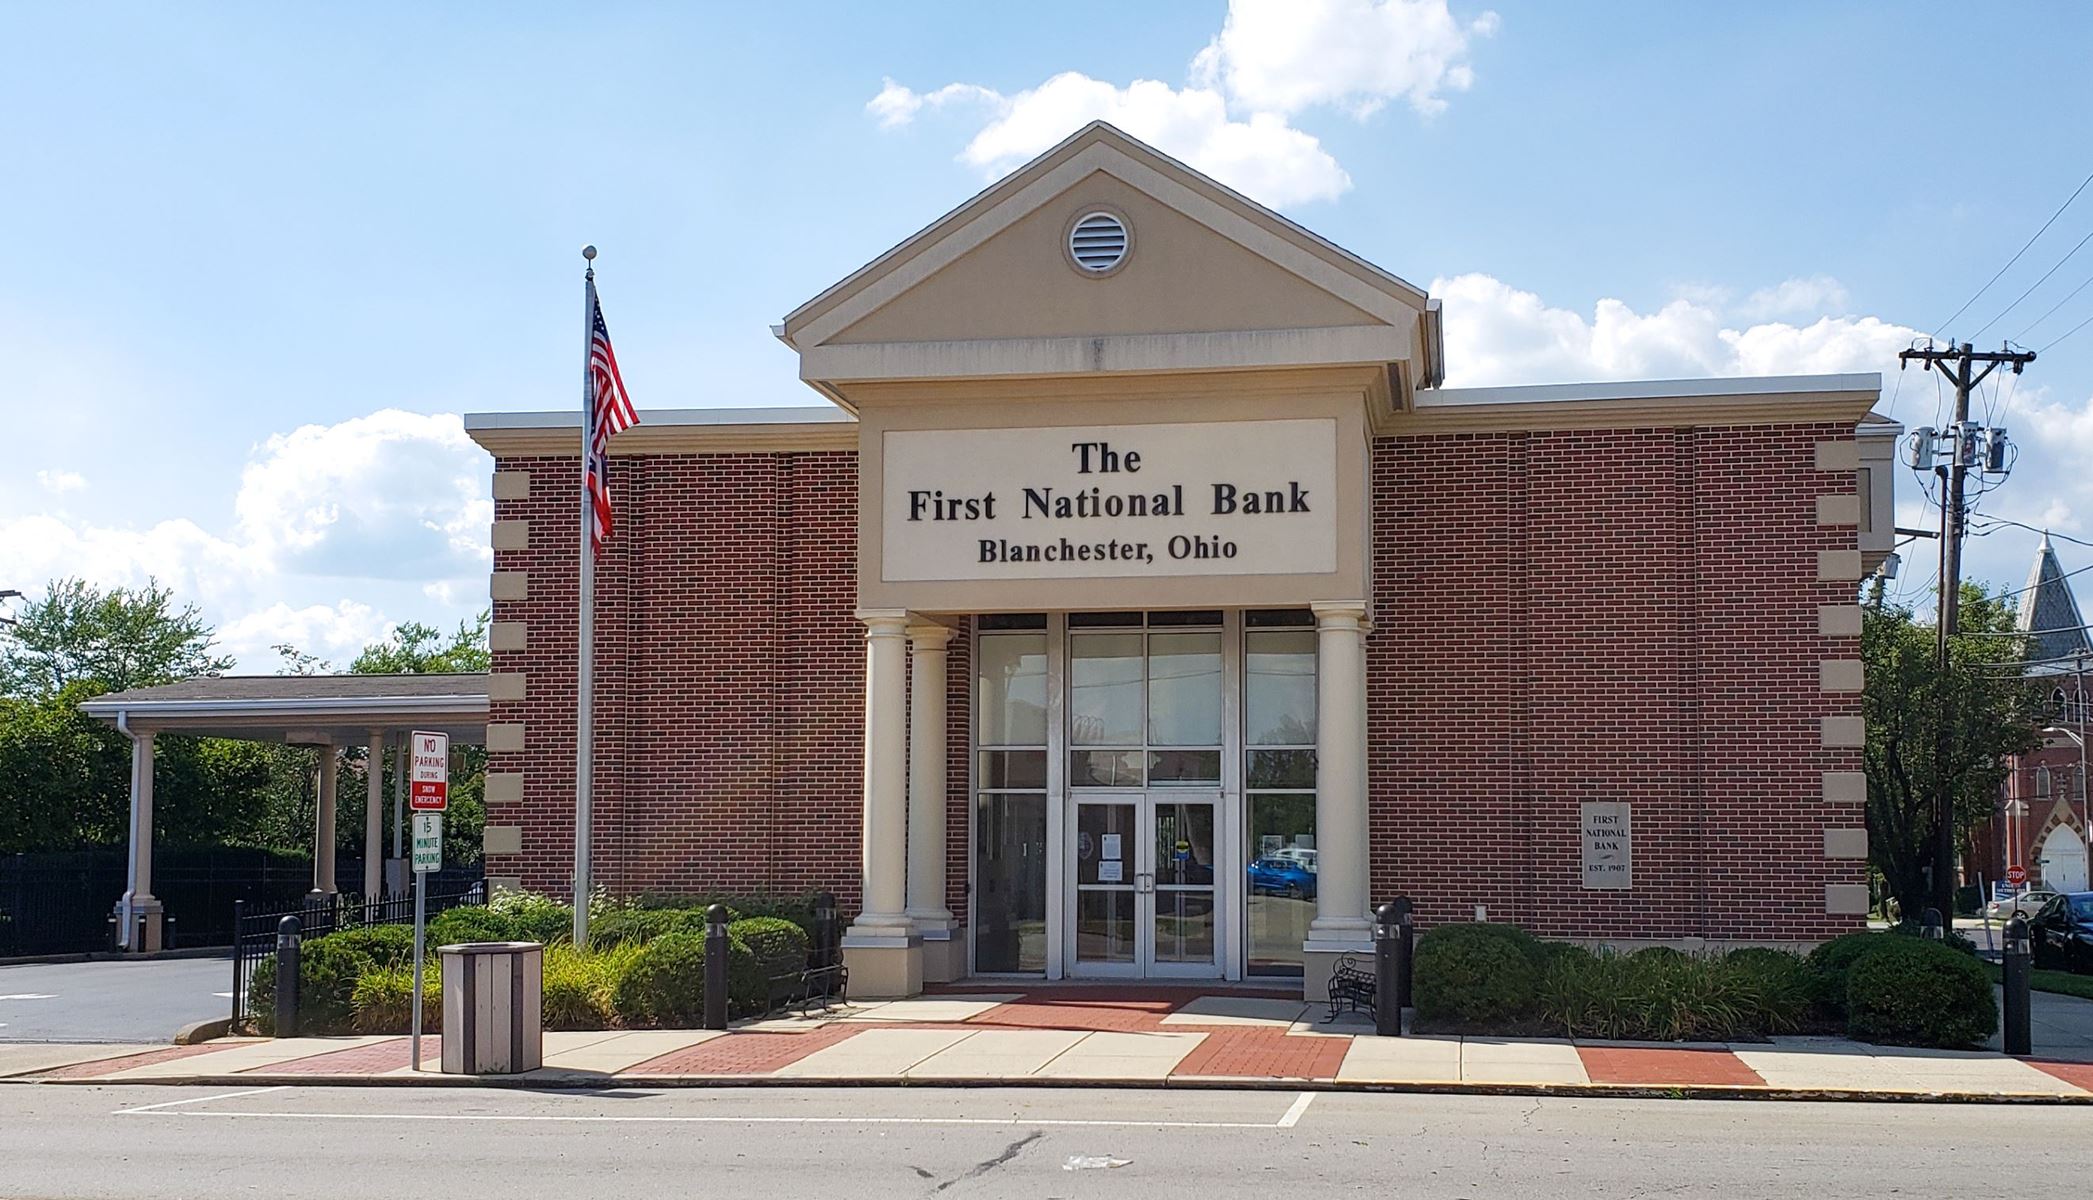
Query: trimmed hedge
column 1477, row 974
column 780, row 946
column 1912, row 992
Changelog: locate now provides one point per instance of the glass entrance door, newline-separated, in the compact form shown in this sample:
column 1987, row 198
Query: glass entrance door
column 1145, row 894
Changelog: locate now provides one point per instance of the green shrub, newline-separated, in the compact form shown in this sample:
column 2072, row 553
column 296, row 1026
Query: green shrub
column 1913, row 992
column 531, row 917
column 381, row 1001
column 779, row 945
column 1477, row 974
column 385, row 944
column 1954, row 938
column 631, row 926
column 664, row 983
column 1830, row 965
column 578, row 985
column 327, row 973
column 1673, row 996
column 469, row 923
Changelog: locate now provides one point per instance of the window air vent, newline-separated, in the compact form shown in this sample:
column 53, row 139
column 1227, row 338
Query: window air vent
column 1098, row 242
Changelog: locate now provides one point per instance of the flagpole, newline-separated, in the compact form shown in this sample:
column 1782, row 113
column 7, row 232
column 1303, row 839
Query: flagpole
column 584, row 733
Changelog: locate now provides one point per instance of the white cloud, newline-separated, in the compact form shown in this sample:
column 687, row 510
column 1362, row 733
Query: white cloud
column 1498, row 334
column 59, row 483
column 1793, row 297
column 335, row 632
column 1283, row 56
column 1270, row 61
column 384, row 501
column 394, row 495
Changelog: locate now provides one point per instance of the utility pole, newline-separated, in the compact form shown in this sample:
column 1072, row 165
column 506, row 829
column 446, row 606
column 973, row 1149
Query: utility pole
column 1952, row 453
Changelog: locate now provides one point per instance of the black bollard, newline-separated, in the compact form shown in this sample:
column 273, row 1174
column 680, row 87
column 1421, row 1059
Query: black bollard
column 2017, row 965
column 1405, row 942
column 716, row 952
column 825, row 934
column 1929, row 924
column 1388, row 1015
column 287, row 977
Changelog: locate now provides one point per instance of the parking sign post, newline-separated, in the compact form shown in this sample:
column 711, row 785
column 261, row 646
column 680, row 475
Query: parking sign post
column 429, row 782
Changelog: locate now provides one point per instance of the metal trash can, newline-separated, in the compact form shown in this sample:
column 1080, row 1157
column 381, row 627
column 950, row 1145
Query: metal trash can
column 493, row 1007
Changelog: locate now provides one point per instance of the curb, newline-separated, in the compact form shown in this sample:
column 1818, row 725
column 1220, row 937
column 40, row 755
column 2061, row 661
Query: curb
column 1570, row 1091
column 196, row 1032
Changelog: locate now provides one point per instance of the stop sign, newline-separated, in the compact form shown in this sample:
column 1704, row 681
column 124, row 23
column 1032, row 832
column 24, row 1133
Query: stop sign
column 2016, row 875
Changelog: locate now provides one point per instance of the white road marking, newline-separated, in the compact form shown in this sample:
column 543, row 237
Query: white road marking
column 161, row 1110
column 1293, row 1115
column 167, row 1104
column 29, row 996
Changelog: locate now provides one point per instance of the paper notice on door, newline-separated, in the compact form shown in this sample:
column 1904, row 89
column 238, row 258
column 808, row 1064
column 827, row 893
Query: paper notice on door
column 1109, row 872
column 1111, row 849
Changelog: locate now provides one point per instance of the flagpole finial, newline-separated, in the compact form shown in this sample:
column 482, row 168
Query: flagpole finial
column 589, row 252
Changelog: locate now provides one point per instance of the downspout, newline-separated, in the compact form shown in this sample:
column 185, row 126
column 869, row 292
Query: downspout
column 123, row 906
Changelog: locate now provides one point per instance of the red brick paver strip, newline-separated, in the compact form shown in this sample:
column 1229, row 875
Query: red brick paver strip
column 1253, row 1053
column 109, row 1066
column 2077, row 1074
column 744, row 1053
column 1088, row 1013
column 1660, row 1066
column 374, row 1059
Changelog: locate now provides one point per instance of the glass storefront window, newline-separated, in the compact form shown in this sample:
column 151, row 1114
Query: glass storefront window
column 1011, row 689
column 1184, row 689
column 1104, row 689
column 1280, row 896
column 1279, row 687
column 1010, row 877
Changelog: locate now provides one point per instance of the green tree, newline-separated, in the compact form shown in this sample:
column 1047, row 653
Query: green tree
column 113, row 640
column 1983, row 705
column 413, row 648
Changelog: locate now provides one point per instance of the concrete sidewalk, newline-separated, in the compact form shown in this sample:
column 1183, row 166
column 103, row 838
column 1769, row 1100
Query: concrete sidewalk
column 1113, row 1037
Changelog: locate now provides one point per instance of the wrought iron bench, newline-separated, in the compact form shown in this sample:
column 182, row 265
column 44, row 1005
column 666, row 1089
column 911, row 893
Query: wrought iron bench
column 801, row 990
column 1352, row 988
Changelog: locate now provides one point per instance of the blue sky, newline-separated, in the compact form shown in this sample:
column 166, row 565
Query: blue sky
column 264, row 254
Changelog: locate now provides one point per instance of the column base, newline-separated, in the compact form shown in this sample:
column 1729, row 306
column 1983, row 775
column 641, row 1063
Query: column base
column 148, row 920
column 1319, row 958
column 944, row 951
column 884, row 963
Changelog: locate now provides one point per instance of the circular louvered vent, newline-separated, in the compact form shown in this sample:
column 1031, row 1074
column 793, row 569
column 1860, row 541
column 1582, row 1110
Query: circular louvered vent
column 1098, row 242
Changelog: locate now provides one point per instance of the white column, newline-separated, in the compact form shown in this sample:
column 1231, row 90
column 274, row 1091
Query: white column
column 1341, row 919
column 885, row 863
column 138, row 900
column 323, row 823
column 374, row 819
column 926, row 781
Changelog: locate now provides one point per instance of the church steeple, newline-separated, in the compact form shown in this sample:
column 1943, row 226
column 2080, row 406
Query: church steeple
column 2049, row 613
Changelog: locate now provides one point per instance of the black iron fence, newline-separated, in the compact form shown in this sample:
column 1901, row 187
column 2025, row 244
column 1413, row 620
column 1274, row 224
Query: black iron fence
column 254, row 929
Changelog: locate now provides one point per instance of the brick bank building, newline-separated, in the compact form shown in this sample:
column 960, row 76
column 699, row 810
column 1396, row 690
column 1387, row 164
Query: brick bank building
column 1141, row 606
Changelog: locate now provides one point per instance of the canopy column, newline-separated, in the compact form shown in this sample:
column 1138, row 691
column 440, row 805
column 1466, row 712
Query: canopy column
column 374, row 819
column 882, row 947
column 139, row 916
column 326, row 767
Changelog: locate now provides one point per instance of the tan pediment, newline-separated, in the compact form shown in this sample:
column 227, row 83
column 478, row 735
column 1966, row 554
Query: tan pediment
column 1211, row 282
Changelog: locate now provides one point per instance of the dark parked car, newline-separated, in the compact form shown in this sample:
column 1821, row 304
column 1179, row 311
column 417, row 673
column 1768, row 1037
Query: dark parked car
column 1282, row 877
column 2063, row 933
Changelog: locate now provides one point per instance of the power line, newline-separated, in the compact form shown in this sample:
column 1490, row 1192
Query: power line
column 2062, row 537
column 2068, row 333
column 2053, row 308
column 2016, row 254
column 2031, row 287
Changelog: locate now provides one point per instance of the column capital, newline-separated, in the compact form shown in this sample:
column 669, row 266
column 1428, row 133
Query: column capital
column 924, row 636
column 1338, row 614
column 884, row 622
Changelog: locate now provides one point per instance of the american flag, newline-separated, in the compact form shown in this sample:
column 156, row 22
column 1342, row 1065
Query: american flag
column 609, row 410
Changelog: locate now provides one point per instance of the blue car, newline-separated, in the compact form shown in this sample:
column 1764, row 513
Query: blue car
column 1282, row 877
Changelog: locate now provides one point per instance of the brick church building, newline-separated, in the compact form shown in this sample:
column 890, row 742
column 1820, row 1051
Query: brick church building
column 1140, row 605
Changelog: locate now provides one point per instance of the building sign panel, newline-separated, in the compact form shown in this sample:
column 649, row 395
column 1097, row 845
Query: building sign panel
column 1110, row 501
column 1609, row 846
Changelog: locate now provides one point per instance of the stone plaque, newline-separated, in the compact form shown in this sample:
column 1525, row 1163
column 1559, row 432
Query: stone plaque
column 1609, row 845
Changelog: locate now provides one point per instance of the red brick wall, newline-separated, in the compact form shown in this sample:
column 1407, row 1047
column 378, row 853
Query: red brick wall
column 1607, row 615
column 1614, row 615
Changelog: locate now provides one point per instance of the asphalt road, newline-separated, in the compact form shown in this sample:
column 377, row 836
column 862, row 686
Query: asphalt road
column 286, row 1143
column 140, row 1001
